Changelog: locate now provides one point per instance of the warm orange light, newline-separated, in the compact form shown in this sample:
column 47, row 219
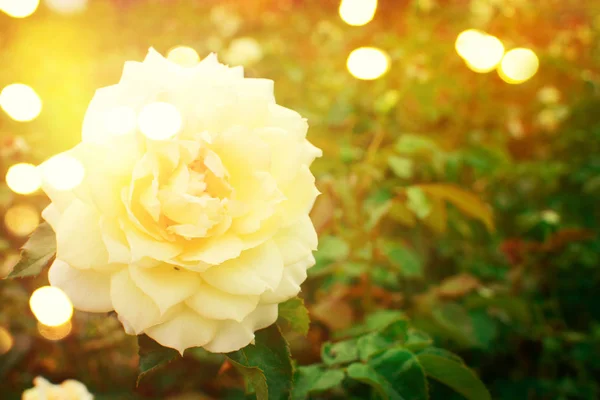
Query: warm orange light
column 6, row 341
column 481, row 52
column 55, row 332
column 20, row 102
column 21, row 220
column 23, row 178
column 51, row 306
column 368, row 63
column 518, row 66
column 357, row 12
column 63, row 172
column 184, row 56
column 19, row 8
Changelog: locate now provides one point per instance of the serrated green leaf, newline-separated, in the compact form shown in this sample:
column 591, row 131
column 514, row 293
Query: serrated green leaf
column 36, row 252
column 295, row 314
column 371, row 344
column 152, row 355
column 364, row 373
column 340, row 352
column 314, row 379
column 441, row 353
column 270, row 355
column 417, row 340
column 402, row 167
column 402, row 370
column 455, row 375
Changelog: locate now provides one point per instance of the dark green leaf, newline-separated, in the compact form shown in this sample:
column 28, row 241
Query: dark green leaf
column 340, row 352
column 36, row 253
column 457, row 323
column 295, row 314
column 417, row 340
column 402, row 370
column 442, row 353
column 313, row 379
column 267, row 364
column 366, row 374
column 152, row 356
column 454, row 374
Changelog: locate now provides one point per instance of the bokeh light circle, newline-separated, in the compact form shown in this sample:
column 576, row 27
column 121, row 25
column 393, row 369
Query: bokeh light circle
column 368, row 63
column 23, row 178
column 20, row 102
column 19, row 8
column 184, row 56
column 63, row 172
column 518, row 66
column 357, row 12
column 51, row 306
column 22, row 219
column 481, row 52
column 159, row 121
column 55, row 333
column 67, row 6
column 6, row 341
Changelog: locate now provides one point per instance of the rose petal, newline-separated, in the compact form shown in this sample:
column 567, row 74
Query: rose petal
column 165, row 285
column 88, row 290
column 186, row 329
column 215, row 250
column 233, row 335
column 301, row 193
column 78, row 237
column 131, row 303
column 253, row 272
column 213, row 303
column 293, row 276
column 296, row 241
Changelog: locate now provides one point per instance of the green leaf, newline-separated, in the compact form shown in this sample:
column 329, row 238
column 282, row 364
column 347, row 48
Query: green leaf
column 457, row 323
column 266, row 364
column 395, row 374
column 417, row 340
column 402, row 167
column 152, row 356
column 418, row 202
column 402, row 370
column 371, row 344
column 467, row 202
column 407, row 261
column 455, row 375
column 441, row 353
column 332, row 248
column 36, row 252
column 339, row 353
column 295, row 314
column 413, row 144
column 366, row 374
column 313, row 379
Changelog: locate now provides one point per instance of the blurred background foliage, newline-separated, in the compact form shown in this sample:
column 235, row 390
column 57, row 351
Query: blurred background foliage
column 464, row 202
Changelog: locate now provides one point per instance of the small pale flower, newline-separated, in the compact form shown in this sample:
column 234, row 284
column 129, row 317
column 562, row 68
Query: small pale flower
column 193, row 225
column 68, row 390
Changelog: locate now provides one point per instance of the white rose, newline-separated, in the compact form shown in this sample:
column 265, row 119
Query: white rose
column 193, row 240
column 68, row 390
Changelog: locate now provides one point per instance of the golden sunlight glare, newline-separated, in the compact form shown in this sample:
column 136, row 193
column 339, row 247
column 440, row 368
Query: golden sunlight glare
column 481, row 52
column 184, row 56
column 51, row 306
column 357, row 12
column 121, row 120
column 20, row 102
column 159, row 121
column 55, row 332
column 368, row 63
column 518, row 66
column 63, row 172
column 6, row 341
column 22, row 219
column 23, row 178
column 19, row 8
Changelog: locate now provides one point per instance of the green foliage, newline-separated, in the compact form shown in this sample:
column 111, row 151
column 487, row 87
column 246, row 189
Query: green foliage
column 295, row 314
column 36, row 252
column 152, row 356
column 266, row 365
